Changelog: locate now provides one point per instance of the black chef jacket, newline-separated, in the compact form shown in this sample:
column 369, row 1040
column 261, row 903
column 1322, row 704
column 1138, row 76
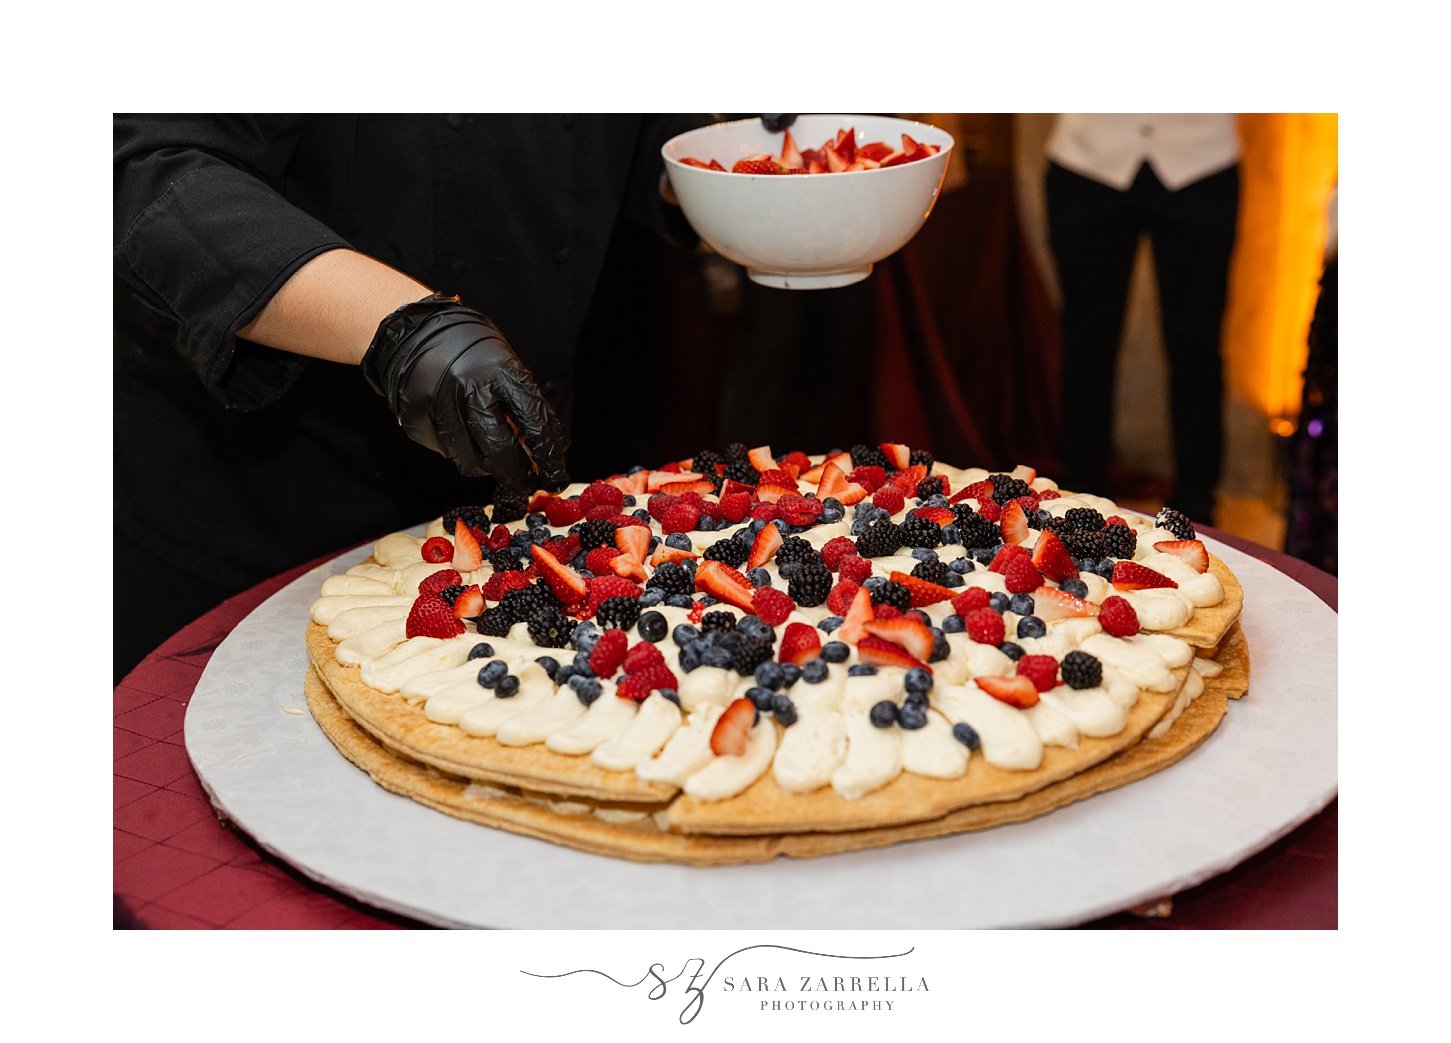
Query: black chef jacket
column 214, row 213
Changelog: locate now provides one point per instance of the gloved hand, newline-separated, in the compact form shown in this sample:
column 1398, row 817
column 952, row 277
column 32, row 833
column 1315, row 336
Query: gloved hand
column 456, row 386
column 775, row 122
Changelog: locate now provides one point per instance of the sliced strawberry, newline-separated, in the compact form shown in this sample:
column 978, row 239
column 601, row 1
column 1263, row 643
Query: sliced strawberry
column 1053, row 559
column 834, row 163
column 853, row 493
column 908, row 633
column 1050, row 603
column 663, row 554
column 568, row 586
column 756, row 165
column 923, row 592
column 846, row 144
column 724, row 583
column 633, row 484
column 538, row 500
column 1130, row 575
column 879, row 652
column 1024, row 472
column 898, row 455
column 795, row 463
column 500, row 583
column 658, row 480
column 790, row 154
column 875, row 151
column 627, row 566
column 1003, row 558
column 833, row 481
column 841, row 460
column 732, row 487
column 907, row 478
column 633, row 540
column 940, row 515
column 1016, row 691
column 840, row 599
column 767, row 541
column 470, row 603
column 772, row 493
column 1190, row 552
column 733, row 730
column 853, row 626
column 467, row 554
column 1014, row 523
column 800, row 644
column 761, row 458
column 693, row 486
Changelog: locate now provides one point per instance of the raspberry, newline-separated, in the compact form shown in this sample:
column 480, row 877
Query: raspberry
column 608, row 653
column 1046, row 494
column 1114, row 519
column 841, row 597
column 801, row 461
column 432, row 616
column 836, row 549
column 640, row 656
column 562, row 512
column 775, row 476
column 598, row 560
column 1028, row 503
column 638, row 686
column 680, row 518
column 889, row 498
column 772, row 605
column 1022, row 576
column 799, row 510
column 601, row 495
column 765, row 512
column 854, row 567
column 734, row 507
column 1004, row 557
column 869, row 478
column 602, row 588
column 500, row 583
column 658, row 504
column 498, row 539
column 1117, row 617
column 887, row 611
column 990, row 510
column 1042, row 670
column 602, row 512
column 440, row 579
column 985, row 626
column 563, row 549
column 970, row 600
column 436, row 550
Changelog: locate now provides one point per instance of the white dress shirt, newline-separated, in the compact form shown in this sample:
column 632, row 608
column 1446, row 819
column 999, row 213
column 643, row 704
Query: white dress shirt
column 1110, row 147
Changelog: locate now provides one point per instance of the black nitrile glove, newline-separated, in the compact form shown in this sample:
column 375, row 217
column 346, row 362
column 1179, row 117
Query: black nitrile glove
column 775, row 122
column 455, row 385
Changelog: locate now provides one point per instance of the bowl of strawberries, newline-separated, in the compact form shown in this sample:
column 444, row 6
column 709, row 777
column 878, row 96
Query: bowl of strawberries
column 813, row 206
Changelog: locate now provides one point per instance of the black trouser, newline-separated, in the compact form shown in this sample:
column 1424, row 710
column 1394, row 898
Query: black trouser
column 1094, row 233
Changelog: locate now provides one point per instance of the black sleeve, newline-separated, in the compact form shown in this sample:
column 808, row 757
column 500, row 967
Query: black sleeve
column 204, row 237
column 643, row 203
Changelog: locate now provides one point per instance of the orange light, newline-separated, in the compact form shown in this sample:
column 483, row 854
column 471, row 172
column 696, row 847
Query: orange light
column 1282, row 427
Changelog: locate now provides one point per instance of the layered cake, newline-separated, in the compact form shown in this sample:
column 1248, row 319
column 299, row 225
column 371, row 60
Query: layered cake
column 743, row 655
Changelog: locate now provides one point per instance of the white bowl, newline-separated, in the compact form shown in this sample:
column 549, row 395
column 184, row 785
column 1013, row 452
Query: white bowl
column 808, row 231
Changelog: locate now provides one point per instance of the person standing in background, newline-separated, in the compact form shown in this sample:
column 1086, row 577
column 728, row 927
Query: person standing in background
column 1113, row 178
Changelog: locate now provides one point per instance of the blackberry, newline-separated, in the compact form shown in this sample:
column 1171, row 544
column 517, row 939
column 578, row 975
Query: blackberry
column 495, row 622
column 450, row 594
column 509, row 505
column 505, row 560
column 597, row 533
column 1176, row 522
column 1119, row 541
column 733, row 552
column 920, row 456
column 742, row 471
column 879, row 539
column 704, row 463
column 868, row 456
column 973, row 530
column 737, row 451
column 1082, row 544
column 473, row 517
column 550, row 628
column 811, row 585
column 670, row 578
column 794, row 548
column 920, row 532
column 722, row 621
column 521, row 604
column 1085, row 518
column 894, row 594
column 932, row 572
column 929, row 487
column 749, row 653
column 1081, row 670
column 1006, row 487
column 619, row 613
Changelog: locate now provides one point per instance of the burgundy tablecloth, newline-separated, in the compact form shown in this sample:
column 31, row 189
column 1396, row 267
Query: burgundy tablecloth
column 177, row 866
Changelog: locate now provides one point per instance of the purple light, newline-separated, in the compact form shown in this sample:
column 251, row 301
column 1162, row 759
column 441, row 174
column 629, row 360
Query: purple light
column 1315, row 428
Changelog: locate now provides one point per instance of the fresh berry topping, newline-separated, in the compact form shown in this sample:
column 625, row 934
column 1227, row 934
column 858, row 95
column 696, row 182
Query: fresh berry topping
column 550, row 628
column 811, row 584
column 1130, row 575
column 1050, row 604
column 889, row 498
column 939, row 515
column 440, row 579
column 608, row 653
column 1081, row 670
column 567, row 585
column 731, row 551
column 1042, row 670
column 841, row 597
column 598, row 560
column 990, row 510
column 906, row 480
column 1016, row 691
column 1014, row 523
column 1022, row 576
column 638, row 657
column 467, row 554
column 734, row 506
column 870, row 478
column 776, row 476
column 877, row 651
column 985, row 626
column 436, row 550
column 1175, row 522
column 680, row 517
column 469, row 603
column 1010, row 553
column 799, row 510
column 431, row 616
column 922, row 591
column 884, row 610
column 879, row 539
column 1119, row 541
column 1117, row 617
column 898, row 455
column 601, row 494
column 561, row 512
column 1053, row 559
column 772, row 605
column 853, row 568
column 1190, row 552
column 967, row 735
column 602, row 588
column 638, row 686
column 618, row 613
column 970, row 600
column 733, row 729
column 918, row 531
column 836, row 549
column 724, row 583
column 858, row 614
column 912, row 636
column 763, row 549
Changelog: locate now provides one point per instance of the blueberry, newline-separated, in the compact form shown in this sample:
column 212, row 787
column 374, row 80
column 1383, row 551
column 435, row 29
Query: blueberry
column 563, row 674
column 539, row 534
column 950, row 535
column 689, row 658
column 829, row 624
column 815, row 671
column 521, row 539
column 874, row 583
column 983, row 555
column 634, row 469
column 858, row 526
column 998, row 601
column 940, row 648
column 861, row 669
column 828, row 517
column 788, row 569
column 652, row 626
column 758, row 576
column 653, row 596
column 581, row 665
column 1076, row 587
column 760, row 696
column 638, row 512
column 482, row 650
column 1087, row 565
column 536, row 520
column 924, row 554
column 1022, row 604
column 791, row 672
column 550, row 664
column 784, row 710
column 755, row 626
column 1012, row 650
column 743, row 536
column 586, row 689
column 684, row 634
column 679, row 601
column 916, row 699
column 967, row 735
column 953, row 624
column 671, row 694
column 918, row 680
column 579, row 560
column 770, row 675
column 1031, row 626
column 961, row 566
column 835, row 652
column 584, row 635
column 911, row 716
column 1043, row 517
column 716, row 656
column 884, row 713
column 1105, row 568
column 707, row 600
column 678, row 541
column 953, row 580
column 508, row 686
column 654, row 540
column 757, row 524
column 831, row 503
column 705, row 524
column 630, row 502
column 489, row 675
column 783, row 525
